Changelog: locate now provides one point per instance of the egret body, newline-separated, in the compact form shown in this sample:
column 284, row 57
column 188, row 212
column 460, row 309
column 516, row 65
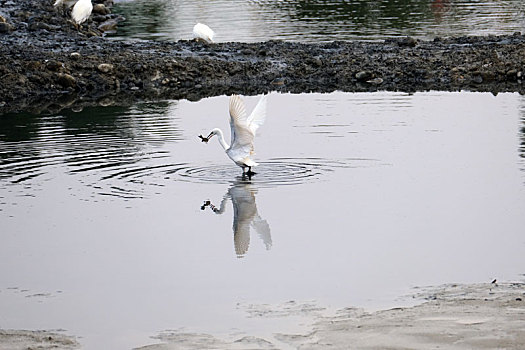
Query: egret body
column 81, row 11
column 203, row 32
column 243, row 128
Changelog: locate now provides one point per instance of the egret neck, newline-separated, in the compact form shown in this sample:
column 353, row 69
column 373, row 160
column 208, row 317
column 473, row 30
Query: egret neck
column 220, row 134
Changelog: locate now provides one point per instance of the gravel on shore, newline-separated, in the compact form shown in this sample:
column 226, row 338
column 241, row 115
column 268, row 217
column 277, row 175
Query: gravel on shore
column 47, row 64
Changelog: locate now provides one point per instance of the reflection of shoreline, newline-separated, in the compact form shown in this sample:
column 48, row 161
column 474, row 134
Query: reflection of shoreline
column 439, row 9
column 96, row 140
column 245, row 216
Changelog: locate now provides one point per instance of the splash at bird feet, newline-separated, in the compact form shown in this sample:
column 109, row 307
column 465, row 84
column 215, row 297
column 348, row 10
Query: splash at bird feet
column 248, row 174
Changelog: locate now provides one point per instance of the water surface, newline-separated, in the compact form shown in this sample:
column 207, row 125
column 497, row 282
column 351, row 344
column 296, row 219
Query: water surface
column 318, row 21
column 108, row 227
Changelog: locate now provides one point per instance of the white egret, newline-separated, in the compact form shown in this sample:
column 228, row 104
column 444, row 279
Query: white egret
column 81, row 11
column 203, row 32
column 243, row 128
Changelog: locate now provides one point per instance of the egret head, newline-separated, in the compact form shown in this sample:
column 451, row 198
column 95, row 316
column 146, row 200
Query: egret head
column 213, row 133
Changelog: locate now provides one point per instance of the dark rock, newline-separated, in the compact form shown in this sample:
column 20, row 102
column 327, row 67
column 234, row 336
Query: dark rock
column 317, row 62
column 100, row 9
column 363, row 75
column 75, row 56
column 408, row 41
column 6, row 27
column 375, row 81
column 477, row 79
column 66, row 80
column 54, row 65
column 512, row 74
column 278, row 81
column 105, row 67
column 108, row 25
column 99, row 18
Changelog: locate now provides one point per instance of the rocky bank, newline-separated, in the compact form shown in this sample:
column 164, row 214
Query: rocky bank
column 47, row 64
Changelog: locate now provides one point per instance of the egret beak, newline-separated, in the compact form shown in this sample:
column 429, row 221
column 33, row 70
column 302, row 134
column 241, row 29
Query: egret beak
column 210, row 135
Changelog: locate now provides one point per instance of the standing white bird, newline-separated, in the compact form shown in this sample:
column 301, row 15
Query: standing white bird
column 81, row 11
column 203, row 32
column 243, row 128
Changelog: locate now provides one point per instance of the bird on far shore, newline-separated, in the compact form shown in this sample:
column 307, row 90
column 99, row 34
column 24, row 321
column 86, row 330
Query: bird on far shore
column 243, row 128
column 81, row 11
column 203, row 32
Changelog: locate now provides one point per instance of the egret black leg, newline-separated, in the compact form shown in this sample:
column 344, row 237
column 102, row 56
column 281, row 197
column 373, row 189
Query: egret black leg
column 250, row 172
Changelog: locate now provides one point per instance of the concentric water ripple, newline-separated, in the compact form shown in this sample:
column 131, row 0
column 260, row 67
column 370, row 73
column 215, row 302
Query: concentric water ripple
column 274, row 172
column 271, row 173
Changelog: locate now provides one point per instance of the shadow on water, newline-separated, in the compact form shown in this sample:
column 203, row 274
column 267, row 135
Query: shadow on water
column 245, row 215
column 400, row 14
column 93, row 138
column 143, row 16
column 16, row 132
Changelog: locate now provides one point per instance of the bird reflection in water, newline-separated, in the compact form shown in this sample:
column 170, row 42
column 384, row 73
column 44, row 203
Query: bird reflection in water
column 245, row 215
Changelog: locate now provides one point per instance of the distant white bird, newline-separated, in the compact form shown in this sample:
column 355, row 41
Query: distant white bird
column 243, row 128
column 203, row 32
column 81, row 11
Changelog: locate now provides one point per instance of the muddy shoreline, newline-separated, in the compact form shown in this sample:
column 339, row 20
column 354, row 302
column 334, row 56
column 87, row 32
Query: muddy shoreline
column 453, row 316
column 48, row 65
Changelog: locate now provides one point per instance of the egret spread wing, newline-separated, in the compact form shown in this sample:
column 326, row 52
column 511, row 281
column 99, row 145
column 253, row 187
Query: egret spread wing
column 237, row 108
column 263, row 229
column 258, row 116
column 242, row 136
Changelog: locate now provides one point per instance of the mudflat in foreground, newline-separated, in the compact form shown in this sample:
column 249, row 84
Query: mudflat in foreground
column 457, row 317
column 48, row 65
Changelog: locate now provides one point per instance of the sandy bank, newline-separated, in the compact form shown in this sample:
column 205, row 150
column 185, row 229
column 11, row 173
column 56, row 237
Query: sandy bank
column 458, row 317
column 48, row 65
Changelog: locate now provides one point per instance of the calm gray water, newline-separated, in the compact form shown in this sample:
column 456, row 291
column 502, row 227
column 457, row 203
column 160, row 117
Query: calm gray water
column 319, row 21
column 358, row 198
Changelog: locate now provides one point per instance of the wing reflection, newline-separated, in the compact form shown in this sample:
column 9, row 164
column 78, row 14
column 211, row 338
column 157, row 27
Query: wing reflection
column 245, row 216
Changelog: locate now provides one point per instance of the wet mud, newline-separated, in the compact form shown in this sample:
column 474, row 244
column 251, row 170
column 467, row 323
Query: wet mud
column 487, row 316
column 48, row 64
